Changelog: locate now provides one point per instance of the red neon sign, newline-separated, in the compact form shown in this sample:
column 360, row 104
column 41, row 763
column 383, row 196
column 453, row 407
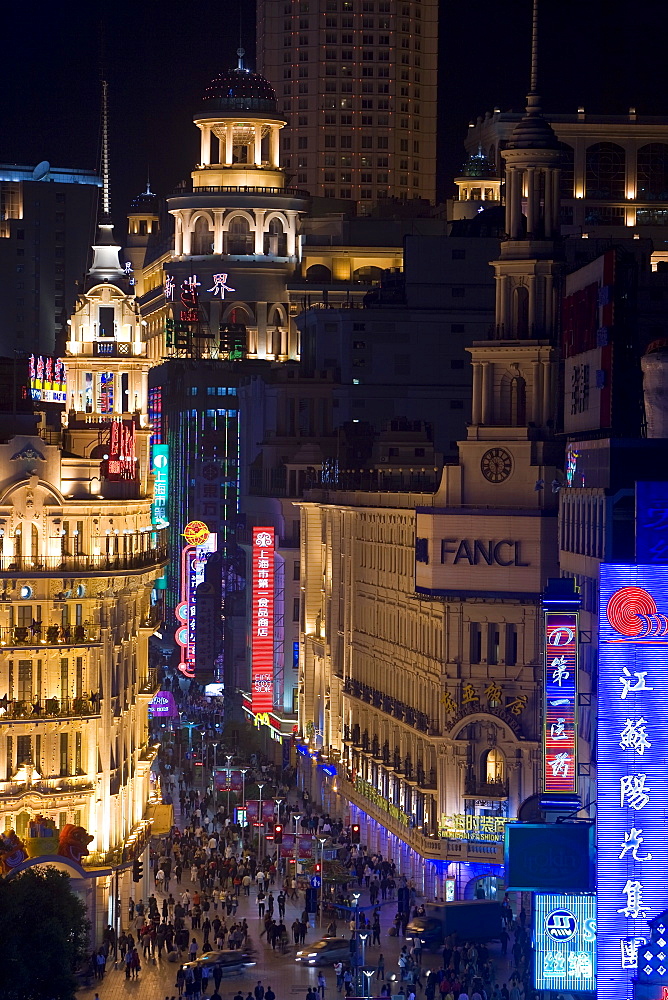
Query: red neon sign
column 262, row 645
column 560, row 734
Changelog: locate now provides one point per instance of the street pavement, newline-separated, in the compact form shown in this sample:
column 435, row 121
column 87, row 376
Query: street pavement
column 287, row 978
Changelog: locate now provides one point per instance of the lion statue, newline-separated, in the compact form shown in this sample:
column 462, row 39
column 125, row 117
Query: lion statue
column 73, row 842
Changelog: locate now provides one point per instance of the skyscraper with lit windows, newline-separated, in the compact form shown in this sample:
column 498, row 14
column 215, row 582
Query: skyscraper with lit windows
column 358, row 81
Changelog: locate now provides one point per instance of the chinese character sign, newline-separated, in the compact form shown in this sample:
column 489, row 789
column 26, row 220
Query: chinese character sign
column 559, row 734
column 632, row 779
column 262, row 641
column 565, row 941
column 160, row 469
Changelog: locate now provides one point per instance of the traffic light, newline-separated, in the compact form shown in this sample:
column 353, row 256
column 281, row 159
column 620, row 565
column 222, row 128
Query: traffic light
column 278, row 833
column 317, row 868
column 355, row 833
column 137, row 870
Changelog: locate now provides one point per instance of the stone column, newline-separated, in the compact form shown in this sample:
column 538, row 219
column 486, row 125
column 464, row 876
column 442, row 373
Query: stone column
column 487, row 371
column 259, row 214
column 217, row 230
column 258, row 146
column 476, row 411
column 229, row 145
column 274, row 146
column 205, row 146
column 291, row 234
column 531, row 201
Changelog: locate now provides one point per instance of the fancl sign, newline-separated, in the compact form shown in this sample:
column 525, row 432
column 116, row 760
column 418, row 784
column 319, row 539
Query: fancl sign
column 474, row 552
column 483, row 551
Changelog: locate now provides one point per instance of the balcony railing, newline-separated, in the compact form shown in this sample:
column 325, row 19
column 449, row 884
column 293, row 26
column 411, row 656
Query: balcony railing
column 50, row 635
column 45, row 786
column 391, row 706
column 486, row 789
column 152, row 682
column 48, row 708
column 83, row 563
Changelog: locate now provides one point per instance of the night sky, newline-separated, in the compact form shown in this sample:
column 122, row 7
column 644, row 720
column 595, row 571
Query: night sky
column 606, row 54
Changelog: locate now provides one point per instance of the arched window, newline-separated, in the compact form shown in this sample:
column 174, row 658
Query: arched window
column 34, row 541
column 493, row 767
column 653, row 172
column 202, row 240
column 605, row 171
column 319, row 273
column 275, row 239
column 239, row 239
column 368, row 275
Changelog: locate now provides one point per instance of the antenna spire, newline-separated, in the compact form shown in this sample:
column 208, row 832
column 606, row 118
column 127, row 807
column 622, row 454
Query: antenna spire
column 106, row 200
column 533, row 100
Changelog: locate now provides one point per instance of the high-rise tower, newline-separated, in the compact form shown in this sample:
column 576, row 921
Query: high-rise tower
column 358, row 80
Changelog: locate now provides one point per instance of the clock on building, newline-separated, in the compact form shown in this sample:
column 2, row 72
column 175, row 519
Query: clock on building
column 496, row 465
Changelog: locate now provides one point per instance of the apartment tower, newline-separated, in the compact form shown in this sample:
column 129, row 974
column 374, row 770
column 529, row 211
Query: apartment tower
column 357, row 80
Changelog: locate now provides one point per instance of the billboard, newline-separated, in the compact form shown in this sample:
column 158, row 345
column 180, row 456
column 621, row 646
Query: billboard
column 481, row 552
column 555, row 856
column 632, row 778
column 163, row 705
column 565, row 941
column 560, row 697
column 262, row 620
column 121, row 462
column 47, row 379
column 588, row 318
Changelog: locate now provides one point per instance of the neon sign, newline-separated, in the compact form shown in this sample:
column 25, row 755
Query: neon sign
column 560, row 691
column 194, row 558
column 160, row 468
column 262, row 645
column 48, row 381
column 565, row 941
column 632, row 780
column 121, row 463
column 220, row 286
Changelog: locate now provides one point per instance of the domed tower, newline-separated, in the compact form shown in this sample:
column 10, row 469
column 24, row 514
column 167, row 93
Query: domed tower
column 236, row 231
column 143, row 226
column 478, row 187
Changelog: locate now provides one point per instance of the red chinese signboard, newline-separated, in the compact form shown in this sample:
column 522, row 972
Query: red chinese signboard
column 560, row 733
column 121, row 462
column 262, row 645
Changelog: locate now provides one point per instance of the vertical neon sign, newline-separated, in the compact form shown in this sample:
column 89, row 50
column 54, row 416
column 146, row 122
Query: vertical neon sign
column 262, row 646
column 631, row 777
column 559, row 728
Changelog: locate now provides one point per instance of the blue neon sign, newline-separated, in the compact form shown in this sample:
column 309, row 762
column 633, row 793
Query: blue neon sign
column 632, row 779
column 160, row 470
column 565, row 941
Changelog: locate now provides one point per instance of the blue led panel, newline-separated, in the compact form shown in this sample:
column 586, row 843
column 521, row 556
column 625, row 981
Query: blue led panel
column 632, row 773
column 565, row 941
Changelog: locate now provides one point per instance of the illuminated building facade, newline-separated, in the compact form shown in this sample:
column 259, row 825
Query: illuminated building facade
column 614, row 168
column 79, row 560
column 422, row 627
column 358, row 80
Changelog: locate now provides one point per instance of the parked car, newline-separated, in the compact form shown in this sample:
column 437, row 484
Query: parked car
column 325, row 952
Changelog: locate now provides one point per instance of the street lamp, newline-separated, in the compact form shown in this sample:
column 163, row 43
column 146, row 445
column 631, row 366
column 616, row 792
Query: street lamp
column 368, row 973
column 261, row 828
column 322, row 841
column 363, row 935
column 244, row 772
column 203, row 735
column 296, row 817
